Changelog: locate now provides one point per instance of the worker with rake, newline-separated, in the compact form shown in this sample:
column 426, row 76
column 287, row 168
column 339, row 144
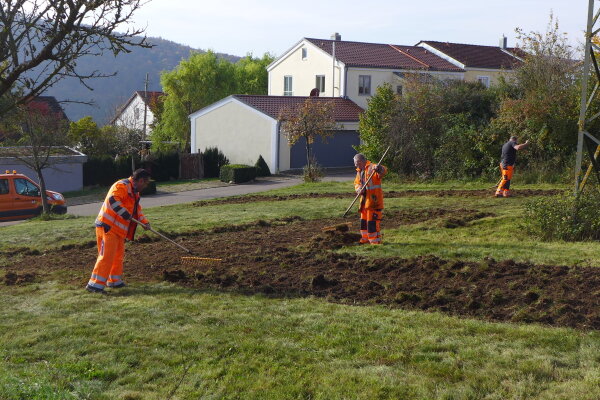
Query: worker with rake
column 507, row 165
column 114, row 226
column 371, row 201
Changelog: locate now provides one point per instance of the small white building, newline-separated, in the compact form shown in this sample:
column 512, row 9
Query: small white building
column 138, row 111
column 245, row 127
column 64, row 174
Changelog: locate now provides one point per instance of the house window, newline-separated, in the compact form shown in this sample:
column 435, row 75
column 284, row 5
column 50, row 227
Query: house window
column 364, row 84
column 287, row 86
column 399, row 90
column 320, row 83
column 485, row 80
column 304, row 53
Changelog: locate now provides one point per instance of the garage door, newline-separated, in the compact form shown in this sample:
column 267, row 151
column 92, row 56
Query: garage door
column 337, row 152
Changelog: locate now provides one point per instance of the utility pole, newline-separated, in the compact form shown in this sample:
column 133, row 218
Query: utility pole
column 145, row 107
column 583, row 135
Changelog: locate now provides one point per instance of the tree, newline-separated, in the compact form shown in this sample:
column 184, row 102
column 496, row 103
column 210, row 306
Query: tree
column 42, row 40
column 203, row 79
column 42, row 131
column 312, row 119
column 89, row 139
column 374, row 123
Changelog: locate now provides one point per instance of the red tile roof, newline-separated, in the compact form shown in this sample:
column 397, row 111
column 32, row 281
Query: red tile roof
column 152, row 96
column 47, row 104
column 376, row 55
column 344, row 109
column 477, row 56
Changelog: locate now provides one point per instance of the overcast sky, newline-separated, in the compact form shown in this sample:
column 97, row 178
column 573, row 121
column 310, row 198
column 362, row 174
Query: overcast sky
column 257, row 26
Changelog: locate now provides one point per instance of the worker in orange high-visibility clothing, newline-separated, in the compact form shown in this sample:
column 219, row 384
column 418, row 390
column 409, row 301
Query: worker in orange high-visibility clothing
column 371, row 200
column 114, row 226
column 507, row 165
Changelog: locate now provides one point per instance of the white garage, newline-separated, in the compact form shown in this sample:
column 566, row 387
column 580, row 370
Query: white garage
column 245, row 127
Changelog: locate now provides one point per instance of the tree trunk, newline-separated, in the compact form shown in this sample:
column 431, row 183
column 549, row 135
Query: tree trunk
column 132, row 164
column 308, row 155
column 45, row 206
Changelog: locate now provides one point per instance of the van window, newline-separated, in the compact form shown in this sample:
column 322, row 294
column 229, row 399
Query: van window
column 3, row 186
column 26, row 188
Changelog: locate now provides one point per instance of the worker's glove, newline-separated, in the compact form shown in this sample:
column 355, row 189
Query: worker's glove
column 146, row 226
column 379, row 169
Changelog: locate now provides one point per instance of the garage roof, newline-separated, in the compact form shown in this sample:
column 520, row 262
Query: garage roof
column 344, row 109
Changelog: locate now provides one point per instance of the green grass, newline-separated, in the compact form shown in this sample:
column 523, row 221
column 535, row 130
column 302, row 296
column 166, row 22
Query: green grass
column 162, row 341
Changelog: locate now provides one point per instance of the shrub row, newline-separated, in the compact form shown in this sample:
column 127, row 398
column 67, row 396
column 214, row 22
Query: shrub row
column 237, row 173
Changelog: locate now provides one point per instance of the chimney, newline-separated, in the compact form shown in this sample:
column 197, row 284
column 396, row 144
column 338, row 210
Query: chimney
column 336, row 36
column 503, row 42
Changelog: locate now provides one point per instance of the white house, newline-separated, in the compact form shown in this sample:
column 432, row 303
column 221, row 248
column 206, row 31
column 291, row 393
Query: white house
column 138, row 111
column 245, row 127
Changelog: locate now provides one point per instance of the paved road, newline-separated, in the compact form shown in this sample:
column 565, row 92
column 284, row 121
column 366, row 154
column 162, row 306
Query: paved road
column 164, row 199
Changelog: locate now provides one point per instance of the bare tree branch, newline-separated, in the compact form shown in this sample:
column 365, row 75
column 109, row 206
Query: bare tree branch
column 42, row 40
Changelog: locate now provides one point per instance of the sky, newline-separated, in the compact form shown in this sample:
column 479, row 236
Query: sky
column 239, row 27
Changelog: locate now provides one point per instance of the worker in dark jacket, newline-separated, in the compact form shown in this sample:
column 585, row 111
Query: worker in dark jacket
column 507, row 165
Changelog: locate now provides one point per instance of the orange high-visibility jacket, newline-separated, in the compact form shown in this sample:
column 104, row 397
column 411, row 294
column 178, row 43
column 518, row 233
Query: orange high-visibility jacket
column 372, row 197
column 121, row 203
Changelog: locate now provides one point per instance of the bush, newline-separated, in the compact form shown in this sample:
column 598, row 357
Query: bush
column 237, row 173
column 163, row 166
column 312, row 173
column 262, row 169
column 565, row 217
column 213, row 160
column 105, row 170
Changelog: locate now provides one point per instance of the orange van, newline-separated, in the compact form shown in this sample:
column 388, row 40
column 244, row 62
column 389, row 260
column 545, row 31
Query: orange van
column 20, row 198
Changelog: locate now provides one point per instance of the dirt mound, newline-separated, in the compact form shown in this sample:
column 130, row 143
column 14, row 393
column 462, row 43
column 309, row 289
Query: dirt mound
column 12, row 278
column 335, row 237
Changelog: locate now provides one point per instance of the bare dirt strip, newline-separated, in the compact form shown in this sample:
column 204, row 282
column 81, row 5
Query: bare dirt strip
column 293, row 257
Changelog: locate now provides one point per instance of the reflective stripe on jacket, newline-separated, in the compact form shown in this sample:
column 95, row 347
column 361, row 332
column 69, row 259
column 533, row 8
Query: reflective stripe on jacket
column 121, row 203
column 372, row 196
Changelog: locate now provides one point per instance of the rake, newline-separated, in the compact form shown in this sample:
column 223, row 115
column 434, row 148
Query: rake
column 189, row 260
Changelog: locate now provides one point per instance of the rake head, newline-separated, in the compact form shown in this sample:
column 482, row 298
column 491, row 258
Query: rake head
column 199, row 261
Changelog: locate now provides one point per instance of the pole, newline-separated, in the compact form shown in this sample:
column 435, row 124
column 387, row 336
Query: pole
column 584, row 83
column 366, row 183
column 145, row 106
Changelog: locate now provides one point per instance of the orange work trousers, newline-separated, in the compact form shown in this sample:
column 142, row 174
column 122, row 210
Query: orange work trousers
column 504, row 186
column 108, row 270
column 370, row 229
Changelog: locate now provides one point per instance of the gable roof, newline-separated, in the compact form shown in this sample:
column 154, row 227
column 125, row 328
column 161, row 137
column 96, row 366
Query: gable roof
column 47, row 104
column 343, row 110
column 148, row 100
column 478, row 56
column 378, row 55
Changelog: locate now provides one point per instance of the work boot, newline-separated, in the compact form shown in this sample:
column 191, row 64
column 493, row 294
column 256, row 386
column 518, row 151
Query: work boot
column 92, row 289
column 498, row 194
column 506, row 194
column 117, row 286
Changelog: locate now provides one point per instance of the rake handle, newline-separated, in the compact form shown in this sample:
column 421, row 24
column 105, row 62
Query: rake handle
column 366, row 183
column 162, row 236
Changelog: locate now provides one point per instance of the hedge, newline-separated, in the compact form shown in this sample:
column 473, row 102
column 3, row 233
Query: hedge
column 237, row 173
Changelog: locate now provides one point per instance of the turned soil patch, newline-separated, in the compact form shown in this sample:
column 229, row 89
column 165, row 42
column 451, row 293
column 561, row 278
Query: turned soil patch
column 285, row 258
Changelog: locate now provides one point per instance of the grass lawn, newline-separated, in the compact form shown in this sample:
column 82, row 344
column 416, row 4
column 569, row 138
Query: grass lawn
column 163, row 341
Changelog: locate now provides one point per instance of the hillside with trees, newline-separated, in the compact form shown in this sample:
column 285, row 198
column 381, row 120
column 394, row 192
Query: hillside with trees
column 131, row 68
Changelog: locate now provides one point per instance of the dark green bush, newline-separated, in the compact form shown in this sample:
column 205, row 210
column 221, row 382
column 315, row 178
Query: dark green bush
column 262, row 169
column 565, row 217
column 105, row 170
column 150, row 189
column 213, row 159
column 163, row 166
column 237, row 173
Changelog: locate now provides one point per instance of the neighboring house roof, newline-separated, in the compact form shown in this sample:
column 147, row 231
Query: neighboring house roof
column 149, row 100
column 47, row 104
column 477, row 56
column 344, row 109
column 377, row 55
